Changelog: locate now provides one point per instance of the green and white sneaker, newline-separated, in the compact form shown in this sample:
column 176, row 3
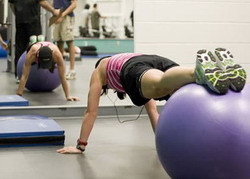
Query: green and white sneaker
column 33, row 39
column 40, row 38
column 207, row 72
column 71, row 75
column 236, row 74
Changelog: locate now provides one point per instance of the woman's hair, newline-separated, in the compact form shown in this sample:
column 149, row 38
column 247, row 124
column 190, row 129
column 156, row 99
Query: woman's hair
column 98, row 62
column 86, row 6
column 51, row 67
column 120, row 95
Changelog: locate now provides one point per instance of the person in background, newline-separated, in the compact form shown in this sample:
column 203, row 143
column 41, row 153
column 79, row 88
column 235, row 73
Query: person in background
column 47, row 56
column 95, row 21
column 132, row 18
column 28, row 23
column 64, row 31
column 85, row 24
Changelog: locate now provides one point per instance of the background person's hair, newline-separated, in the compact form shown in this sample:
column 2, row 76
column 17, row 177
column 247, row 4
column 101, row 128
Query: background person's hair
column 86, row 6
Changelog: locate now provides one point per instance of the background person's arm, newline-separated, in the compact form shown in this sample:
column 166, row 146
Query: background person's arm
column 46, row 5
column 67, row 11
column 2, row 43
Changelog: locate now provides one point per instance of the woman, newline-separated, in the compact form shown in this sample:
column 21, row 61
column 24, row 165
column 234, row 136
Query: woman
column 46, row 55
column 146, row 78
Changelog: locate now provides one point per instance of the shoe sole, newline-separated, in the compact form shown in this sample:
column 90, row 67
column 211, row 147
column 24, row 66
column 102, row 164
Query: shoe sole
column 215, row 78
column 236, row 74
column 71, row 77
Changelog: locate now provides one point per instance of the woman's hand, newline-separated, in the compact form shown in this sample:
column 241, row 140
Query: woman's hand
column 69, row 150
column 72, row 98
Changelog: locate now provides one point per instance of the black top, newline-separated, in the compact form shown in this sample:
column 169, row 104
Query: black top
column 26, row 11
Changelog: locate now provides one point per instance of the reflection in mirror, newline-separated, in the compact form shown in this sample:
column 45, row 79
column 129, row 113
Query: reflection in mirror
column 106, row 25
column 115, row 35
column 104, row 19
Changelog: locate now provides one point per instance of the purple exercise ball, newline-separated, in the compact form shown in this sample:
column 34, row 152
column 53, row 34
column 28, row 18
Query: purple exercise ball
column 204, row 135
column 39, row 80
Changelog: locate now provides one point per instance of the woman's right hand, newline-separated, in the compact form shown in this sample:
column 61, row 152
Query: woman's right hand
column 69, row 150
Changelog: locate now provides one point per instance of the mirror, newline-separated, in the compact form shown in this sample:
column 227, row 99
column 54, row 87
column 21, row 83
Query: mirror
column 112, row 39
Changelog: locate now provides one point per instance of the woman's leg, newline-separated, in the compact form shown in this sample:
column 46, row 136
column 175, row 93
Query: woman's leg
column 156, row 84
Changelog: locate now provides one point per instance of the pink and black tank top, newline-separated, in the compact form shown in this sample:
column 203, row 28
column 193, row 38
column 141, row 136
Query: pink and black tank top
column 114, row 68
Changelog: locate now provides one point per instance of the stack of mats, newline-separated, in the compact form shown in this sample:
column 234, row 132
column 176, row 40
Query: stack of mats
column 29, row 130
column 13, row 100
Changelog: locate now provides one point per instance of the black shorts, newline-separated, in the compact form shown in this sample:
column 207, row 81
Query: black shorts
column 133, row 70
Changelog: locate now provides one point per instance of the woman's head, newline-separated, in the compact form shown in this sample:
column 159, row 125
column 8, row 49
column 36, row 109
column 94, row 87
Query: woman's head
column 44, row 57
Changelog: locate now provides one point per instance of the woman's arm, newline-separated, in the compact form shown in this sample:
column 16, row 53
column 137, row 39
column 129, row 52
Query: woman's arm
column 25, row 74
column 152, row 111
column 90, row 114
column 61, row 70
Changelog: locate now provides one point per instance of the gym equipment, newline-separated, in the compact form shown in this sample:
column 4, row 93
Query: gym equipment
column 3, row 52
column 29, row 130
column 204, row 135
column 13, row 100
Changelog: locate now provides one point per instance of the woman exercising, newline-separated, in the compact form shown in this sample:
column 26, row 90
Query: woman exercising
column 47, row 56
column 146, row 78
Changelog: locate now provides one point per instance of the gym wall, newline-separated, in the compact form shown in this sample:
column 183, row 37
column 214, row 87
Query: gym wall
column 177, row 29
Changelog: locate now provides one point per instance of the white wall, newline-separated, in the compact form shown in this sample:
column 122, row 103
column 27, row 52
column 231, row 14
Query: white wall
column 178, row 28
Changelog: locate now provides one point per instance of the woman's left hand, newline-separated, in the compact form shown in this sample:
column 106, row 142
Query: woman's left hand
column 72, row 98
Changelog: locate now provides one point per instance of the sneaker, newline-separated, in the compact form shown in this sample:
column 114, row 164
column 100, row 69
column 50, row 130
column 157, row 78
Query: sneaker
column 33, row 39
column 17, row 80
column 71, row 75
column 207, row 72
column 40, row 38
column 236, row 74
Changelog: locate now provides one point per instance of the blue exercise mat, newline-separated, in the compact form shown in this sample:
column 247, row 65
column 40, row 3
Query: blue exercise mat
column 29, row 130
column 13, row 100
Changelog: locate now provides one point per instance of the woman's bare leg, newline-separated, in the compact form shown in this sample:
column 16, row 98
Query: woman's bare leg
column 156, row 84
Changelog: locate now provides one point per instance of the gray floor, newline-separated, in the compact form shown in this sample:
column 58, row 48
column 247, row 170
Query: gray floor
column 115, row 150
